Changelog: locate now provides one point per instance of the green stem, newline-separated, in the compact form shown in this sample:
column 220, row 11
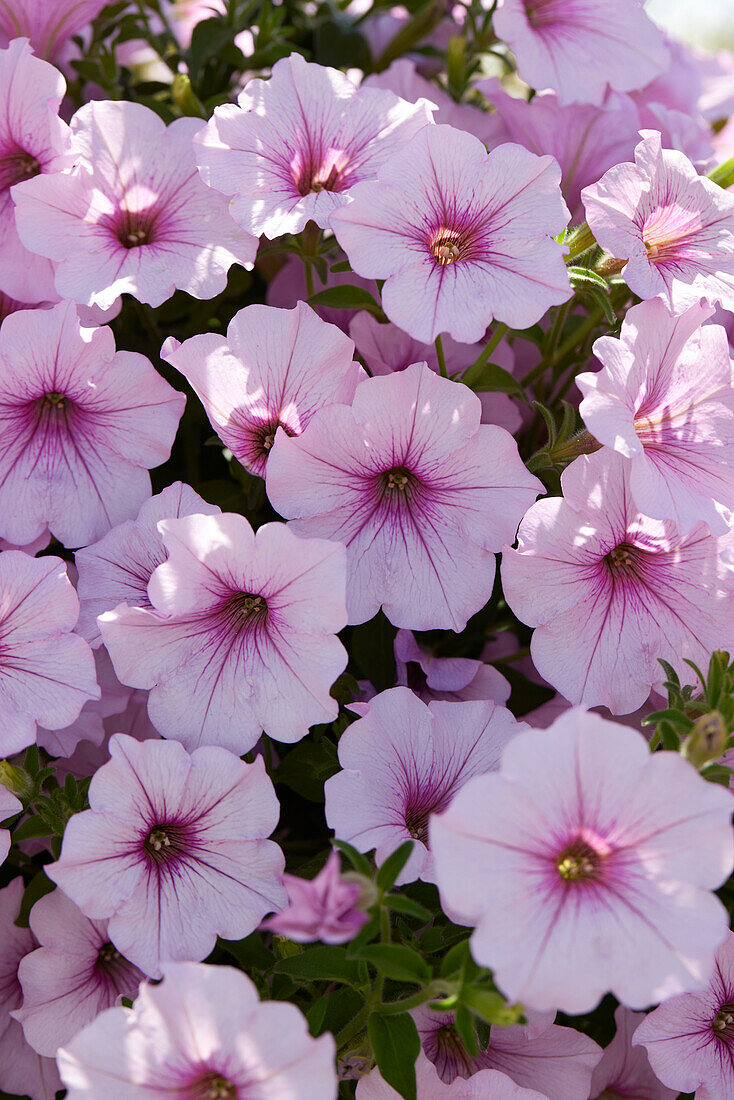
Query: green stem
column 441, row 357
column 473, row 371
column 310, row 290
column 394, row 1008
column 723, row 174
column 353, row 1028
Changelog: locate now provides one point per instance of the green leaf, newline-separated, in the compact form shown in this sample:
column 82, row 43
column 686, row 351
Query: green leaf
column 601, row 299
column 489, row 378
column 307, row 767
column 673, row 716
column 251, row 953
column 31, row 829
column 401, row 904
column 396, row 1045
column 490, row 1006
column 34, row 891
column 341, row 265
column 398, row 962
column 358, row 861
column 322, row 964
column 582, row 277
column 372, row 651
column 393, row 865
column 346, row 296
column 464, row 1024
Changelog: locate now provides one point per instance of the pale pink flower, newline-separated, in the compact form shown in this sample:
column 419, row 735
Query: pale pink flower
column 543, row 1056
column 586, row 865
column 89, row 726
column 690, row 1038
column 445, row 678
column 624, row 1070
column 419, row 492
column 385, row 348
column 33, row 140
column 46, row 672
column 322, row 908
column 23, row 1070
column 402, row 78
column 117, row 569
column 172, row 851
column 293, row 147
column 9, row 807
column 288, row 287
column 674, row 227
column 275, row 368
column 489, row 1084
column 611, row 591
column 404, row 761
column 49, row 24
column 201, row 1033
column 72, row 976
column 240, row 637
column 133, row 216
column 458, row 248
column 581, row 48
column 665, row 401
column 80, row 426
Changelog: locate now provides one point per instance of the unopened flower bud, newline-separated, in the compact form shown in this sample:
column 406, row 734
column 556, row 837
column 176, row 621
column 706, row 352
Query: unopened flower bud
column 707, row 740
column 16, row 780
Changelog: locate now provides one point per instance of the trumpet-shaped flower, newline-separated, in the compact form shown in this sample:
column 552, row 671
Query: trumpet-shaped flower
column 170, row 837
column 132, row 216
column 80, row 426
column 274, row 370
column 625, row 1070
column 293, row 147
column 322, row 908
column 49, row 24
column 586, row 864
column 611, row 591
column 445, row 678
column 489, row 1084
column 415, row 487
column 665, row 401
column 239, row 637
column 406, row 760
column 674, row 227
column 460, row 236
column 202, row 1033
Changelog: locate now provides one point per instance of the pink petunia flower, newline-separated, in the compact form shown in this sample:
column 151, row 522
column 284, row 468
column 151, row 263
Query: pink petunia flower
column 489, row 1084
column 385, row 348
column 33, row 140
column 416, row 488
column 80, row 426
column 49, row 24
column 665, row 401
column 275, row 368
column 133, row 216
column 293, row 147
column 581, row 48
column 46, row 672
column 9, row 807
column 445, row 678
column 23, row 1070
column 690, row 1038
column 202, row 1033
column 117, row 569
column 541, row 1055
column 71, row 977
column 89, row 726
column 674, row 227
column 587, row 864
column 322, row 908
column 612, row 591
column 169, row 835
column 402, row 78
column 624, row 1070
column 288, row 287
column 240, row 635
column 459, row 248
column 406, row 760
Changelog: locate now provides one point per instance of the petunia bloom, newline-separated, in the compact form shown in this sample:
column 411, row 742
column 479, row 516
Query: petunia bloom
column 274, row 370
column 406, row 760
column 612, row 591
column 293, row 147
column 133, row 216
column 240, row 636
column 49, row 24
column 46, row 672
column 445, row 678
column 541, row 1055
column 169, row 835
column 202, row 1033
column 80, row 426
column 419, row 492
column 674, row 227
column 583, row 48
column 322, row 908
column 117, row 569
column 690, row 1038
column 665, row 401
column 33, row 140
column 586, row 864
column 489, row 1084
column 624, row 1070
column 73, row 975
column 89, row 726
column 458, row 248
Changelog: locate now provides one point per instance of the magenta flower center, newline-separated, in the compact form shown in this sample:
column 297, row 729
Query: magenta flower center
column 448, row 1053
column 252, row 608
column 265, row 435
column 53, row 400
column 134, row 228
column 16, row 167
column 398, row 484
column 319, row 170
column 666, row 231
column 447, row 246
column 213, row 1086
column 165, row 843
column 420, row 806
column 544, row 13
column 622, row 560
column 578, row 861
column 723, row 1023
